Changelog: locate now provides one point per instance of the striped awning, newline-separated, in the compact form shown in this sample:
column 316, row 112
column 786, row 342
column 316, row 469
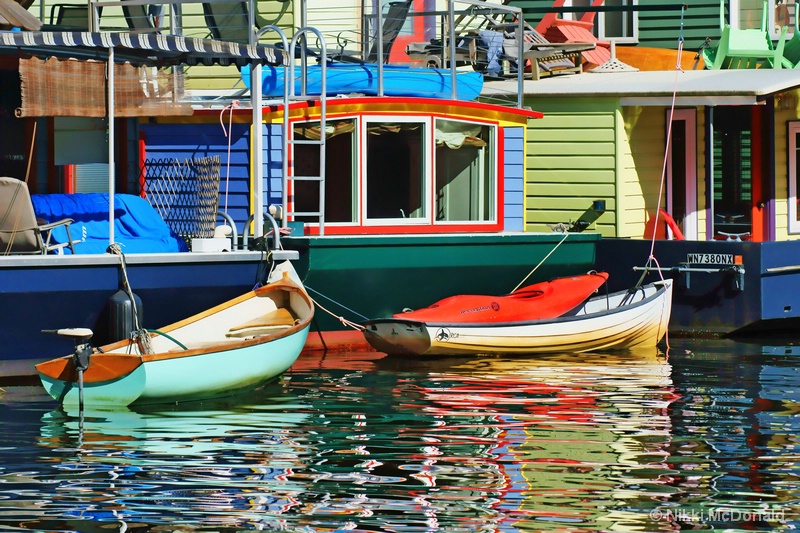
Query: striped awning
column 136, row 48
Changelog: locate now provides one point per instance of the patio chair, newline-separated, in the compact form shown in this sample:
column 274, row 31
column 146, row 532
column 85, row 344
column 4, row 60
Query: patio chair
column 547, row 57
column 20, row 231
column 563, row 30
column 746, row 48
column 16, row 15
column 228, row 21
column 142, row 18
column 393, row 23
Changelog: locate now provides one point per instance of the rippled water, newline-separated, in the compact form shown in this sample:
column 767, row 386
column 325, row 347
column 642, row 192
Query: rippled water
column 701, row 437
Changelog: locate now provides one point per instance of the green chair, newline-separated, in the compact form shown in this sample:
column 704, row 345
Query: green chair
column 746, row 48
column 791, row 51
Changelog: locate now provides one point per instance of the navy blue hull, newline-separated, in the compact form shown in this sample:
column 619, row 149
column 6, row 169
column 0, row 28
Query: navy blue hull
column 712, row 297
column 51, row 293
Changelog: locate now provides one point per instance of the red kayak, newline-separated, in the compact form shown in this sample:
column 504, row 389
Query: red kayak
column 548, row 299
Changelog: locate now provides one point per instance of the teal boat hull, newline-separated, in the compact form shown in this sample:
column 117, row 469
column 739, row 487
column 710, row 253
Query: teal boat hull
column 210, row 375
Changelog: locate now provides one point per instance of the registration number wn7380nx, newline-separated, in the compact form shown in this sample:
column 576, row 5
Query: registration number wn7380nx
column 710, row 259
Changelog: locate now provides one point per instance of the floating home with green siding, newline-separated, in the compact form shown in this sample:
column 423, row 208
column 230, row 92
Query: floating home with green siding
column 727, row 183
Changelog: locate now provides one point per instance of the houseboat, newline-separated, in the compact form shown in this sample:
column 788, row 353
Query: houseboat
column 387, row 200
column 695, row 158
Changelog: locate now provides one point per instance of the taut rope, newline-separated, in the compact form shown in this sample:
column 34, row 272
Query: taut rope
column 139, row 336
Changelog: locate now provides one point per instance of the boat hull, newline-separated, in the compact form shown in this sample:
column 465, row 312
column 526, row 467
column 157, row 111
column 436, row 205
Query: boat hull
column 392, row 272
column 52, row 292
column 240, row 344
column 603, row 324
column 187, row 378
column 722, row 288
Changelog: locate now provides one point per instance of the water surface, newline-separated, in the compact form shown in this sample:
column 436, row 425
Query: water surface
column 702, row 435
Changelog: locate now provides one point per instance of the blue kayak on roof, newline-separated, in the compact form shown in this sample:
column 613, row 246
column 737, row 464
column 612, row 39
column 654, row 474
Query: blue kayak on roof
column 362, row 78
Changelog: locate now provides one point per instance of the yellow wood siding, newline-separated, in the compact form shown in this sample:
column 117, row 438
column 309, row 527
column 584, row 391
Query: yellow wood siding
column 571, row 161
column 642, row 149
column 786, row 110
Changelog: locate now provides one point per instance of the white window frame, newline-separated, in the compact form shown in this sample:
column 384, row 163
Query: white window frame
column 792, row 173
column 774, row 33
column 427, row 159
column 600, row 23
column 634, row 32
column 356, row 178
column 690, row 222
column 494, row 172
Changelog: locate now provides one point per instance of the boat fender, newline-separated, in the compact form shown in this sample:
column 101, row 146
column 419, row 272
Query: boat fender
column 121, row 318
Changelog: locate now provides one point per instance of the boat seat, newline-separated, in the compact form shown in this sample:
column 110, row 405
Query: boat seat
column 271, row 322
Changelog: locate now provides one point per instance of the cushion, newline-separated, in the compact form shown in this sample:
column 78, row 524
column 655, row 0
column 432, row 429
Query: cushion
column 138, row 228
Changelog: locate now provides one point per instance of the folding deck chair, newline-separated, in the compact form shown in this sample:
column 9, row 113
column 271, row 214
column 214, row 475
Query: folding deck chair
column 20, row 231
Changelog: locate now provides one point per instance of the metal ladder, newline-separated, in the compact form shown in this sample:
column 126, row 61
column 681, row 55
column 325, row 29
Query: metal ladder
column 289, row 174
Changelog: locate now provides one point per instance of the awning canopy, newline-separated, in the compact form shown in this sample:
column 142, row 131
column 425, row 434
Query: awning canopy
column 136, row 48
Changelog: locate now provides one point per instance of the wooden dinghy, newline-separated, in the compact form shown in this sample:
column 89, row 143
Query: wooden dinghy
column 237, row 345
column 621, row 320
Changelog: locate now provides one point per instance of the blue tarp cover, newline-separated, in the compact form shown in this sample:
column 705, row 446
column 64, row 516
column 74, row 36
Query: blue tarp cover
column 138, row 228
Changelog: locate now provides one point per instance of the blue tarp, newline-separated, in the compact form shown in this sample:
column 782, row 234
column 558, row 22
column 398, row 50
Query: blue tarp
column 138, row 228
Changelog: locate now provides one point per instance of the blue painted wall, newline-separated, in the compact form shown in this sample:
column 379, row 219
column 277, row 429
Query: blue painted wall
column 179, row 142
column 514, row 170
column 273, row 164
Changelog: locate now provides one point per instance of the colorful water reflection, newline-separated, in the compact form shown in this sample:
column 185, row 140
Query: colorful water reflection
column 640, row 441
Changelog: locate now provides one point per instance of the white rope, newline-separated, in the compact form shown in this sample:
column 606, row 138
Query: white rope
column 227, row 134
column 341, row 319
column 542, row 261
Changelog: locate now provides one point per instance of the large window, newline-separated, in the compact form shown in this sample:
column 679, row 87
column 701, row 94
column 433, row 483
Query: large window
column 396, row 158
column 340, row 175
column 794, row 176
column 464, row 188
column 395, row 171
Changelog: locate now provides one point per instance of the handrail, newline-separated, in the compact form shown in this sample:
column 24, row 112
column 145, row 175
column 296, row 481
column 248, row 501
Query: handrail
column 605, row 9
column 234, row 233
column 275, row 231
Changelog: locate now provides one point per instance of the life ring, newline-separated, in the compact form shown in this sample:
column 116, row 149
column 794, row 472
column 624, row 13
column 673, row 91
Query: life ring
column 665, row 221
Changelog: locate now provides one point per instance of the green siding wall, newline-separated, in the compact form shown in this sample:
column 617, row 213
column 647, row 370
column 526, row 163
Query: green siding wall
column 571, row 161
column 659, row 29
column 662, row 29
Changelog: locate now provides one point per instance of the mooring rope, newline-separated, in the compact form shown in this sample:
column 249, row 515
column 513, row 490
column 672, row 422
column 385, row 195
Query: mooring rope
column 139, row 336
column 564, row 238
column 678, row 69
column 341, row 319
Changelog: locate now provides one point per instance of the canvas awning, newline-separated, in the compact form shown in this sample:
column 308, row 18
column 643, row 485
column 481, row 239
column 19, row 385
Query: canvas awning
column 136, row 48
column 157, row 50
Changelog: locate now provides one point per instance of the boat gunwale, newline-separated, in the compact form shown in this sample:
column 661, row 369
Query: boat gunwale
column 222, row 345
column 544, row 321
